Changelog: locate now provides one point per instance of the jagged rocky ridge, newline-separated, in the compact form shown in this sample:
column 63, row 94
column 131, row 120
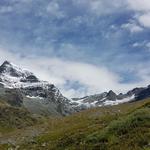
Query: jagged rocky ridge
column 37, row 96
column 20, row 87
column 111, row 98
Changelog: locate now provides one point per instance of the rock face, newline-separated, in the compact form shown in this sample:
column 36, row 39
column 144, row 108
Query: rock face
column 99, row 100
column 143, row 93
column 111, row 98
column 21, row 88
column 12, row 76
column 111, row 95
column 11, row 96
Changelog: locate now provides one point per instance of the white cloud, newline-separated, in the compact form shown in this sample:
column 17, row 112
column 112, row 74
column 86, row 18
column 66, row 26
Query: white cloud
column 105, row 7
column 145, row 45
column 93, row 7
column 53, row 9
column 101, row 7
column 91, row 79
column 132, row 27
column 136, row 44
column 139, row 5
column 142, row 10
column 145, row 20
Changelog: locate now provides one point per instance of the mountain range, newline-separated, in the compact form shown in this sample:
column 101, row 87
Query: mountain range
column 35, row 115
column 21, row 88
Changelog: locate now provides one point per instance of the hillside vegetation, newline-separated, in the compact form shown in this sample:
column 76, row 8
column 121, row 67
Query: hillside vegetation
column 12, row 118
column 122, row 127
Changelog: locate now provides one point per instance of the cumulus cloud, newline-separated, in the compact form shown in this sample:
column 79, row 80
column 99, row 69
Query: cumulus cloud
column 142, row 10
column 139, row 5
column 145, row 20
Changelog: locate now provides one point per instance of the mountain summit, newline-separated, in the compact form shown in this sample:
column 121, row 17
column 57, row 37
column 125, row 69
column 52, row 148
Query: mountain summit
column 37, row 96
column 42, row 97
column 12, row 76
column 12, row 70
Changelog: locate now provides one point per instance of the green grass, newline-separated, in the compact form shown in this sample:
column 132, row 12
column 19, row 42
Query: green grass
column 122, row 127
column 133, row 130
column 14, row 118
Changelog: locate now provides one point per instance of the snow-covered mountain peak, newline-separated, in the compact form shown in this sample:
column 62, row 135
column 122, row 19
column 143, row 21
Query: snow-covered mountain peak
column 12, row 76
column 6, row 63
column 35, row 90
column 9, row 68
column 36, row 95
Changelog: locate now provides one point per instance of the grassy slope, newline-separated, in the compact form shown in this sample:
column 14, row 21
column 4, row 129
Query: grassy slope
column 122, row 127
column 14, row 118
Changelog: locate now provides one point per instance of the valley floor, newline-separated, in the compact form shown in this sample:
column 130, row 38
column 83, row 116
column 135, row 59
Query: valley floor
column 121, row 127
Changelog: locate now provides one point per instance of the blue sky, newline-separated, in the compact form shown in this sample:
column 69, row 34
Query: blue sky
column 82, row 46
